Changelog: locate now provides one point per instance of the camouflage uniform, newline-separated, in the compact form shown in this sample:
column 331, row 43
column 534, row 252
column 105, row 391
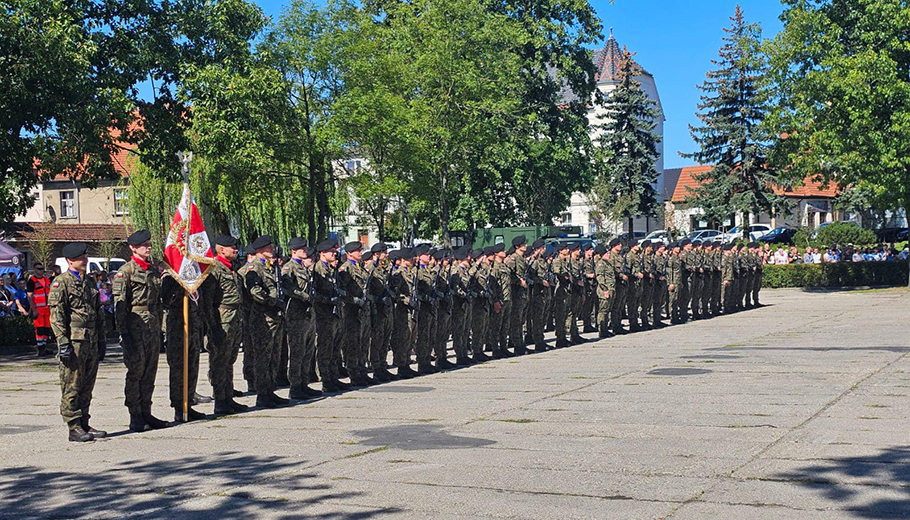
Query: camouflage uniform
column 265, row 324
column 443, row 315
column 537, row 301
column 461, row 311
column 591, row 300
column 327, row 321
column 562, row 299
column 618, row 268
column 404, row 328
column 296, row 280
column 605, row 282
column 633, row 290
column 518, row 267
column 76, row 321
column 227, row 330
column 246, row 305
column 675, row 276
column 352, row 278
column 480, row 307
column 426, row 314
column 381, row 323
column 200, row 315
column 137, row 311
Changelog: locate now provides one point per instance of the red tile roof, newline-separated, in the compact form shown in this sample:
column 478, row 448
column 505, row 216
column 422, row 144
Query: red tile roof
column 607, row 61
column 811, row 188
column 28, row 231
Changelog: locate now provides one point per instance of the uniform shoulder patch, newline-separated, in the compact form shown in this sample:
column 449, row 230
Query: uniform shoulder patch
column 119, row 274
column 56, row 284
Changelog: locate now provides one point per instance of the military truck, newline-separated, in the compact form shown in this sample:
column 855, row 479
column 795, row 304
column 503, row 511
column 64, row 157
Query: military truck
column 491, row 236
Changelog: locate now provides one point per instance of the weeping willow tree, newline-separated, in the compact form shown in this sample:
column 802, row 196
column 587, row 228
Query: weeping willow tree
column 152, row 202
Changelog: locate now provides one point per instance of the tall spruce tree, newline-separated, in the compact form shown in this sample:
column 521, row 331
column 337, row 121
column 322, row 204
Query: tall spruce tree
column 733, row 140
column 626, row 151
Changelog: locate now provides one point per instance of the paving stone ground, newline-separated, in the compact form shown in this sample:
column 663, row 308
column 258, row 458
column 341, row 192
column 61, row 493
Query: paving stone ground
column 797, row 410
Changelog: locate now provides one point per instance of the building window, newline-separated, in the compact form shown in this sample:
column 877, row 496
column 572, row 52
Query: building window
column 67, row 204
column 565, row 219
column 352, row 166
column 121, row 199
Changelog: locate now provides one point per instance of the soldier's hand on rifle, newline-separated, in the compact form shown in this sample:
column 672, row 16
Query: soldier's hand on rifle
column 672, row 287
column 606, row 294
column 625, row 278
column 546, row 283
column 497, row 307
column 524, row 283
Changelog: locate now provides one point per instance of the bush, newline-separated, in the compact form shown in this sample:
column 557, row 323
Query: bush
column 844, row 274
column 16, row 330
column 844, row 233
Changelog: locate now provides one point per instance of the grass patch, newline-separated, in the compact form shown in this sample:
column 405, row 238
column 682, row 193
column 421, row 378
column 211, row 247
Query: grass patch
column 427, row 420
column 517, row 421
column 876, row 406
column 868, row 418
column 362, row 453
column 399, row 461
column 349, row 443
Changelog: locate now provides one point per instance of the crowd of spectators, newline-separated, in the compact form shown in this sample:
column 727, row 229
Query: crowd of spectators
column 833, row 254
column 14, row 293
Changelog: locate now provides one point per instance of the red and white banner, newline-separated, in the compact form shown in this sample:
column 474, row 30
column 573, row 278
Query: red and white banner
column 187, row 251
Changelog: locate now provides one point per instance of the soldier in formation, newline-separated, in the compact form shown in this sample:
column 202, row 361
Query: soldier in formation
column 346, row 313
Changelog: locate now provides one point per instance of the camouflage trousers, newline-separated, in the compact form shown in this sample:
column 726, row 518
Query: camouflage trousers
column 756, row 287
column 676, row 302
column 617, row 305
column 265, row 334
column 443, row 329
column 77, row 381
column 355, row 339
column 141, row 360
column 249, row 364
column 174, row 326
column 328, row 328
column 658, row 299
column 562, row 308
column 578, row 301
column 461, row 314
column 604, row 307
column 505, row 326
column 222, row 354
column 480, row 320
column 381, row 334
column 647, row 292
column 426, row 332
column 404, row 335
column 518, row 317
column 301, row 340
column 589, row 305
column 537, row 305
column 633, row 299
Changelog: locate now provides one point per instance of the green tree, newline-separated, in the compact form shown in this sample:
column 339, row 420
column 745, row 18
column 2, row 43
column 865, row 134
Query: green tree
column 841, row 72
column 69, row 92
column 732, row 138
column 626, row 150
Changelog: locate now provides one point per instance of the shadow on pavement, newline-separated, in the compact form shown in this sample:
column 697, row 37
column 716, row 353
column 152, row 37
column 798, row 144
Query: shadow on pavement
column 889, row 469
column 220, row 485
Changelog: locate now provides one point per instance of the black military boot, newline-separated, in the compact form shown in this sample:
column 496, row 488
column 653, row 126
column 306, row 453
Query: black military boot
column 463, row 360
column 444, row 364
column 98, row 434
column 192, row 415
column 200, row 399
column 237, row 406
column 425, row 369
column 480, row 357
column 77, row 434
column 237, row 393
column 138, row 424
column 223, row 407
column 589, row 328
column 280, row 401
column 406, row 372
column 540, row 347
column 381, row 375
column 521, row 351
column 152, row 421
column 263, row 401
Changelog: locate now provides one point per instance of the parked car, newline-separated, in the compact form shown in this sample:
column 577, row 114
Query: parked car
column 755, row 232
column 887, row 235
column 660, row 235
column 95, row 263
column 704, row 235
column 638, row 235
column 901, row 236
column 781, row 235
column 551, row 244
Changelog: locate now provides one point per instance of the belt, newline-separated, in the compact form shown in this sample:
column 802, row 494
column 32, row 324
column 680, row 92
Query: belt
column 230, row 307
column 145, row 307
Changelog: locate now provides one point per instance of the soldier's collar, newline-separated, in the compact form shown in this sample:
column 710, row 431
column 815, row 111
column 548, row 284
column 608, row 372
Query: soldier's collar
column 76, row 274
column 298, row 260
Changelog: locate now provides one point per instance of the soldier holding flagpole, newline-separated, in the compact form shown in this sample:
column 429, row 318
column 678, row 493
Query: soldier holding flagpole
column 188, row 255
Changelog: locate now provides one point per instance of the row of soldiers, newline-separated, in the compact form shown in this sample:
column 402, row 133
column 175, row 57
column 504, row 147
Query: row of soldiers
column 343, row 313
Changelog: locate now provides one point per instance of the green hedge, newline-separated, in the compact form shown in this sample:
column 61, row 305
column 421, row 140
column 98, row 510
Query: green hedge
column 16, row 330
column 845, row 274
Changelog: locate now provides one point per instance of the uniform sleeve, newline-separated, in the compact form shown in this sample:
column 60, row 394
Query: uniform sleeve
column 60, row 313
column 258, row 290
column 122, row 294
column 291, row 283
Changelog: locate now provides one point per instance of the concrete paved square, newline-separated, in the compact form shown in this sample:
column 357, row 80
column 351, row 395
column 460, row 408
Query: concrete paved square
column 797, row 410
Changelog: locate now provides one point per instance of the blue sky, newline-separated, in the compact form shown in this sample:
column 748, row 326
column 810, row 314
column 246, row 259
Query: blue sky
column 675, row 40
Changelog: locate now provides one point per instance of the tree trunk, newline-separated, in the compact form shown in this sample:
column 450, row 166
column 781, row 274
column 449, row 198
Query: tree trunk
column 322, row 198
column 311, row 206
column 444, row 211
column 631, row 231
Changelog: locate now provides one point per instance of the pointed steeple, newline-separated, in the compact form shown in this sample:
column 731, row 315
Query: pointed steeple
column 608, row 59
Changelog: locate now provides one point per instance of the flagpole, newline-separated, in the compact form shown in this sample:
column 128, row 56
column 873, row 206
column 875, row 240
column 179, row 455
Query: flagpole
column 186, row 356
column 185, row 159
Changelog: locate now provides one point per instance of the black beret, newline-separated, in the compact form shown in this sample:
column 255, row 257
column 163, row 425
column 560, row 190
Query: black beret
column 379, row 247
column 538, row 243
column 440, row 254
column 139, row 237
column 366, row 256
column 684, row 242
column 559, row 246
column 297, row 243
column 498, row 248
column 644, row 243
column 74, row 250
column 600, row 249
column 406, row 252
column 421, row 250
column 753, row 245
column 395, row 254
column 249, row 250
column 226, row 241
column 727, row 247
column 350, row 247
column 488, row 250
column 696, row 242
column 310, row 251
column 519, row 241
column 615, row 242
column 586, row 246
column 326, row 245
column 511, row 251
column 261, row 242
column 574, row 247
column 477, row 253
column 660, row 245
column 461, row 254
